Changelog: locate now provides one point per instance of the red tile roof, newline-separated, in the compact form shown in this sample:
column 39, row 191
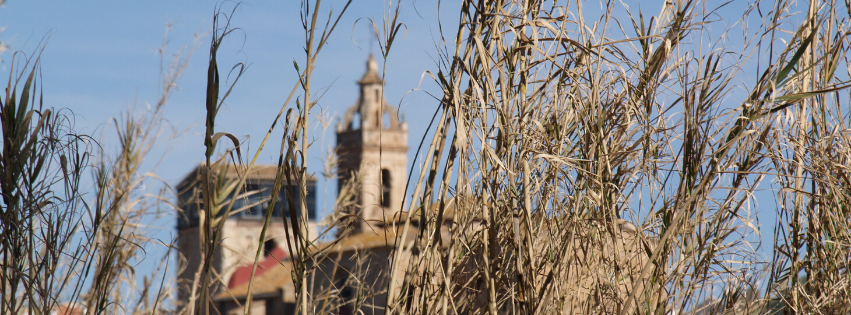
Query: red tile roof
column 243, row 274
column 278, row 275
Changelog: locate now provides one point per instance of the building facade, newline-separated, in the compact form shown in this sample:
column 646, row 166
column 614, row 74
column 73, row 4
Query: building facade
column 240, row 234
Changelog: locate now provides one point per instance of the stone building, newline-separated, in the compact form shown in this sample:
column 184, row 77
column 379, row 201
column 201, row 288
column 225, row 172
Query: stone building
column 240, row 234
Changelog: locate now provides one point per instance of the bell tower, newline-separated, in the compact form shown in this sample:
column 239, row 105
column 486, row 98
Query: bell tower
column 372, row 143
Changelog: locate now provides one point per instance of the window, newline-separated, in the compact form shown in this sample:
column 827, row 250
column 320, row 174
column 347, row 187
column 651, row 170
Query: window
column 281, row 202
column 284, row 200
column 189, row 200
column 311, row 201
column 256, row 200
column 252, row 202
column 385, row 188
column 240, row 204
column 282, row 206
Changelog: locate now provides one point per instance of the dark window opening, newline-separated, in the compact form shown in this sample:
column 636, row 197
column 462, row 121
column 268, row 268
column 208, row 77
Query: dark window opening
column 190, row 200
column 310, row 203
column 268, row 247
column 344, row 177
column 346, row 295
column 385, row 188
column 252, row 202
column 292, row 198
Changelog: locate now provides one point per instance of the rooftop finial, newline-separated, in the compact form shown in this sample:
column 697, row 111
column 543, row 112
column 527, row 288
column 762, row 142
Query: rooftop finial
column 371, row 65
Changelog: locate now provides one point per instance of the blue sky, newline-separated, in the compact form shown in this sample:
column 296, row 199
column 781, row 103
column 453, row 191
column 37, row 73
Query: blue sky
column 101, row 60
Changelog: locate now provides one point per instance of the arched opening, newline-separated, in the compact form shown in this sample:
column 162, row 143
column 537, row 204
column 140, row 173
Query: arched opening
column 385, row 188
column 355, row 125
column 378, row 95
column 386, row 119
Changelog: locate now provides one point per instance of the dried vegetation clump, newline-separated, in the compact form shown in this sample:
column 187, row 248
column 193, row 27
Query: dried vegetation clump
column 560, row 124
column 584, row 159
column 75, row 216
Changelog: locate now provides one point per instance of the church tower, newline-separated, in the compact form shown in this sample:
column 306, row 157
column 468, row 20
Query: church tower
column 372, row 143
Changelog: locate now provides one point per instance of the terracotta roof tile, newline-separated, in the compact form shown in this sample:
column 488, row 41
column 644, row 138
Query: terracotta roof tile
column 279, row 276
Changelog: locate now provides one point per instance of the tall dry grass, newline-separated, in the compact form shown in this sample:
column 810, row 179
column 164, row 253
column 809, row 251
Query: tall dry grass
column 596, row 160
column 76, row 216
column 610, row 163
column 41, row 165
